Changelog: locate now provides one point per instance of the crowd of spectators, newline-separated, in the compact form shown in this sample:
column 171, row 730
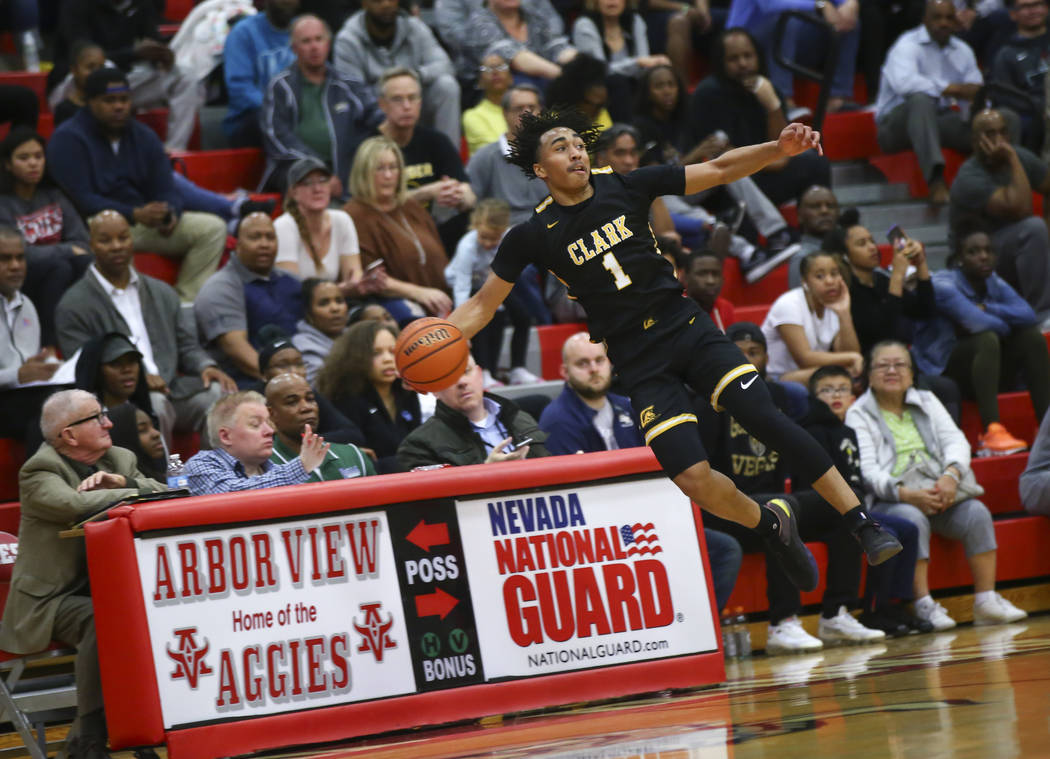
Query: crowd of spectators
column 280, row 359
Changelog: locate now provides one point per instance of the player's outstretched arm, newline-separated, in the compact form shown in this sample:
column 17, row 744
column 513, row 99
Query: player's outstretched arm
column 741, row 162
column 479, row 309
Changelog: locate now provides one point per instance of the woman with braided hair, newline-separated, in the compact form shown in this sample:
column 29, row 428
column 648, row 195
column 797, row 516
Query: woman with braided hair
column 314, row 240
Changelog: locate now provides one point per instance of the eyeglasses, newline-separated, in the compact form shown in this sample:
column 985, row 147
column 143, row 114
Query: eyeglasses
column 831, row 392
column 494, row 69
column 897, row 366
column 103, row 413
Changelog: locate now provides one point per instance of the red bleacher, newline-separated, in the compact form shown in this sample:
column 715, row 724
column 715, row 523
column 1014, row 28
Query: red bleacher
column 223, row 170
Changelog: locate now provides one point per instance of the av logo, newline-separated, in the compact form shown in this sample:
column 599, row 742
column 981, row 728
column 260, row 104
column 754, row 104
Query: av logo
column 375, row 633
column 189, row 657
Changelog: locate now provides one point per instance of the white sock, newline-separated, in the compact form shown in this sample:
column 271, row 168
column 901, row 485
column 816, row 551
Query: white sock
column 983, row 596
column 925, row 602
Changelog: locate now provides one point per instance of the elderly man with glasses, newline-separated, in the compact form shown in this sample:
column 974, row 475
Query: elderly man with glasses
column 77, row 472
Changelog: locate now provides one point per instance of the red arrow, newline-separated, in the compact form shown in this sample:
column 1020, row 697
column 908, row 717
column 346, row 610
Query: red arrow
column 428, row 535
column 436, row 604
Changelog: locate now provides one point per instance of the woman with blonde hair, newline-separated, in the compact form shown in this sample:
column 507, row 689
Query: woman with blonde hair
column 314, row 240
column 360, row 378
column 398, row 232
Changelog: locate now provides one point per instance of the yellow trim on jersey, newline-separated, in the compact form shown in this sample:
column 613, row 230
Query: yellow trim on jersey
column 544, row 204
column 567, row 291
column 728, row 377
column 602, row 170
column 667, row 424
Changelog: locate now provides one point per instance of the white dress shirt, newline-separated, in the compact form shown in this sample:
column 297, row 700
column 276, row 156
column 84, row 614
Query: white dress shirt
column 129, row 306
column 916, row 63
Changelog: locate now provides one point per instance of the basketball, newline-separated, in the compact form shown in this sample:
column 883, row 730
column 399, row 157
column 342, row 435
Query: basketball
column 431, row 354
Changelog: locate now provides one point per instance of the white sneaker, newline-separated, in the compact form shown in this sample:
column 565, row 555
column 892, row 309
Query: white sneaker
column 935, row 614
column 488, row 381
column 844, row 628
column 996, row 611
column 789, row 637
column 519, row 375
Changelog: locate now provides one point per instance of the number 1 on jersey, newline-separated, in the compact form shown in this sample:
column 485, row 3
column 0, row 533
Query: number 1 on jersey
column 613, row 266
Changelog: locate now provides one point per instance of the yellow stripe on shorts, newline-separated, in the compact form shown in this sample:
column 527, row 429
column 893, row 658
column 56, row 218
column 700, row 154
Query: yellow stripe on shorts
column 667, row 424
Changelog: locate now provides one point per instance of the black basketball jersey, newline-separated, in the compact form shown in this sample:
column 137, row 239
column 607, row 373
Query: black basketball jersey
column 602, row 249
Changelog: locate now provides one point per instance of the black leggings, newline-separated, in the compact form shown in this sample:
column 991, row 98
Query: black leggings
column 754, row 409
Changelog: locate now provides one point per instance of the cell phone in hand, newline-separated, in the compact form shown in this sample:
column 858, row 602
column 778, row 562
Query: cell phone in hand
column 896, row 237
column 516, row 445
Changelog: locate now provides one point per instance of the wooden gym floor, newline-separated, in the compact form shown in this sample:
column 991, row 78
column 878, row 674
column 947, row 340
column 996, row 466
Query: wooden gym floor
column 971, row 692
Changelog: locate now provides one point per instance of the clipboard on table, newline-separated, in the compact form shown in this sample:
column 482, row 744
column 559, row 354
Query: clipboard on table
column 77, row 530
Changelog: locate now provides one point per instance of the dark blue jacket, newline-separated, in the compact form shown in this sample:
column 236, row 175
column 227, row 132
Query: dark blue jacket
column 569, row 424
column 82, row 161
column 961, row 311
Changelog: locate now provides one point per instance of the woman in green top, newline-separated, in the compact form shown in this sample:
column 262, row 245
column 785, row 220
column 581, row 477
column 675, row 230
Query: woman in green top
column 901, row 429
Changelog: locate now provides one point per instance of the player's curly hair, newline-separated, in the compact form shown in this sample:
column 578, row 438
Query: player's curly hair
column 525, row 145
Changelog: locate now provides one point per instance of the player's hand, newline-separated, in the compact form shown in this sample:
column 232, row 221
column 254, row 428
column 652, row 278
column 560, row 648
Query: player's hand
column 102, row 481
column 798, row 138
column 313, row 449
column 497, row 455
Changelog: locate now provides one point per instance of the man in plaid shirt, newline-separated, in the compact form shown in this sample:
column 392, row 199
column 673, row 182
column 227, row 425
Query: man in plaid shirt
column 241, row 435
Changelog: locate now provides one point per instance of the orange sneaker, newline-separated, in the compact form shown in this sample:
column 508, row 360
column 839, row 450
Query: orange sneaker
column 997, row 441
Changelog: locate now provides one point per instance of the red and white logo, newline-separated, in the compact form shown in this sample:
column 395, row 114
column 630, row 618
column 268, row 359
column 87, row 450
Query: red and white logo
column 189, row 657
column 375, row 633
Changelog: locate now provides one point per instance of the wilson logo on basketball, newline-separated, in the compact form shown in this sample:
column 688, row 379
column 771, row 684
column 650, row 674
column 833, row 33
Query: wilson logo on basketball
column 431, row 354
column 434, row 337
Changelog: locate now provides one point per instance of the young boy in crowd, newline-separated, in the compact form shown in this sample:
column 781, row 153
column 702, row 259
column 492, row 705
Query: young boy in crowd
column 831, row 394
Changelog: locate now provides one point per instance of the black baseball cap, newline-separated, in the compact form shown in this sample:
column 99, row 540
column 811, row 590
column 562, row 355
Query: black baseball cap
column 746, row 331
column 274, row 346
column 116, row 346
column 104, row 81
column 302, row 168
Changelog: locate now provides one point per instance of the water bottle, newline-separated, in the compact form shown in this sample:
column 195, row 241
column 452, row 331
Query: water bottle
column 742, row 633
column 728, row 638
column 30, row 51
column 176, row 477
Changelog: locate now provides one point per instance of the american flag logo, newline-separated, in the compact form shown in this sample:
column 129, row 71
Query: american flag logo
column 641, row 539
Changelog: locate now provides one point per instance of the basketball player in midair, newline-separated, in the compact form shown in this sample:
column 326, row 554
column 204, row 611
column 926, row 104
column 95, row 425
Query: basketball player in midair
column 593, row 234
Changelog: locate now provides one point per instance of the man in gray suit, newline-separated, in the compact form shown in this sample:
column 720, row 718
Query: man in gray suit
column 76, row 472
column 112, row 297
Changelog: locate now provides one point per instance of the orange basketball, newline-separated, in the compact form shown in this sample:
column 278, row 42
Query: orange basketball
column 431, row 354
